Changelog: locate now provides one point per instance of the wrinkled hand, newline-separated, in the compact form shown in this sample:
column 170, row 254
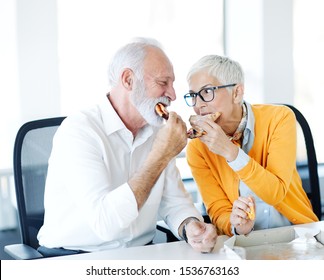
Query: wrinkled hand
column 217, row 141
column 201, row 236
column 172, row 137
column 239, row 218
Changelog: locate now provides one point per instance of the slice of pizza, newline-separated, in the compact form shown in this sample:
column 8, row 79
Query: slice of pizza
column 195, row 131
column 251, row 214
column 161, row 111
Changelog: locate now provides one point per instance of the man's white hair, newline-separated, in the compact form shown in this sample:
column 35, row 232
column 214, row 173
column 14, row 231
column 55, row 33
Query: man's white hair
column 130, row 56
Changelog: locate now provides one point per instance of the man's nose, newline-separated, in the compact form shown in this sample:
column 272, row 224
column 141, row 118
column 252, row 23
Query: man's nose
column 171, row 93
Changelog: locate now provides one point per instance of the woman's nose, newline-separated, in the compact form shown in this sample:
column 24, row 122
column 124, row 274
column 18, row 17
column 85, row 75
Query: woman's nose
column 200, row 107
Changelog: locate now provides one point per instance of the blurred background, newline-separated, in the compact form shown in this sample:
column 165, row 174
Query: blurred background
column 54, row 56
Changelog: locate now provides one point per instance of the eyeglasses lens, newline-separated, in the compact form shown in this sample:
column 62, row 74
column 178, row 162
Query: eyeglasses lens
column 207, row 94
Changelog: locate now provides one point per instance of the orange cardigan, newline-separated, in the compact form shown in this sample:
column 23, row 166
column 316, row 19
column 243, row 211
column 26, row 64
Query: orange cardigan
column 270, row 173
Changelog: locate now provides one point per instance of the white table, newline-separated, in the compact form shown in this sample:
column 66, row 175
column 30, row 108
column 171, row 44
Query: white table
column 179, row 250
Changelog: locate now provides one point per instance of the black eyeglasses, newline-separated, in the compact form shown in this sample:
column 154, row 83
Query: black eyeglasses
column 206, row 94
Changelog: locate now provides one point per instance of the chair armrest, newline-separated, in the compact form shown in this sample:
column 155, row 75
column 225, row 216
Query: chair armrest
column 22, row 252
column 202, row 209
column 163, row 227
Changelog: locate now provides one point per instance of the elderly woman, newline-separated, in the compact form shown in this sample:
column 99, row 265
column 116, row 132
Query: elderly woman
column 246, row 159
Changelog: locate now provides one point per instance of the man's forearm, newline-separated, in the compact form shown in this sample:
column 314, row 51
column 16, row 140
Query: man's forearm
column 144, row 179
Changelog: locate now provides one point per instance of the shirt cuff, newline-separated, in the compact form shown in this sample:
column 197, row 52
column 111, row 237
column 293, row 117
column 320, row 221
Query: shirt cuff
column 241, row 161
column 234, row 231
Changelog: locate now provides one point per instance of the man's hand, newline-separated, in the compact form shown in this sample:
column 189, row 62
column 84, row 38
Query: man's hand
column 170, row 141
column 201, row 236
column 171, row 138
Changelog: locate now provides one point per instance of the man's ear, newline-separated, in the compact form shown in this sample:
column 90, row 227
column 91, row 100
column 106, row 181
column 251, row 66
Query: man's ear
column 127, row 78
column 238, row 93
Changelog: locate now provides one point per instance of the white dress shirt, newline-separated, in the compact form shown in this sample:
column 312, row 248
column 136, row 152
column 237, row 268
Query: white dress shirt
column 88, row 202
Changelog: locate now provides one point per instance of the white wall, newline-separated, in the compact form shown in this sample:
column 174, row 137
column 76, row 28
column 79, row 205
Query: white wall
column 9, row 84
column 259, row 36
column 38, row 58
column 29, row 86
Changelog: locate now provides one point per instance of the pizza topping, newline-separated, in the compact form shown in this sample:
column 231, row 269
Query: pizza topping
column 251, row 213
column 161, row 111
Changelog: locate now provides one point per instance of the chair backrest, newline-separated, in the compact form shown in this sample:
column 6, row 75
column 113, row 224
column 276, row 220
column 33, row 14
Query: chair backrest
column 32, row 149
column 308, row 169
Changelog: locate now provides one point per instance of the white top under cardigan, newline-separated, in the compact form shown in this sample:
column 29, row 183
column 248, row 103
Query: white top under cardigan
column 88, row 202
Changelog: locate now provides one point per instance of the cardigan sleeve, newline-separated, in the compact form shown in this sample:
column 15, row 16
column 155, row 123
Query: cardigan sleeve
column 217, row 201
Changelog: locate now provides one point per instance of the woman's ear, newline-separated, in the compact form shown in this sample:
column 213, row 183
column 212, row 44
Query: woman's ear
column 238, row 93
column 127, row 78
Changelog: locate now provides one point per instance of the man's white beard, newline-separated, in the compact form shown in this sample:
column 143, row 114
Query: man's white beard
column 146, row 105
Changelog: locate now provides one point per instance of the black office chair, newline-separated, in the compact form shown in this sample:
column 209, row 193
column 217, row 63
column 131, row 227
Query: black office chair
column 308, row 169
column 32, row 149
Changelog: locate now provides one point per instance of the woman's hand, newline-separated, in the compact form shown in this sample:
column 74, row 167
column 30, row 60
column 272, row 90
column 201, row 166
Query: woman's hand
column 239, row 217
column 217, row 141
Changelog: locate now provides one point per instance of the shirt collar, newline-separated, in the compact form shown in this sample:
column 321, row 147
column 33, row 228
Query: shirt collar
column 110, row 118
column 113, row 123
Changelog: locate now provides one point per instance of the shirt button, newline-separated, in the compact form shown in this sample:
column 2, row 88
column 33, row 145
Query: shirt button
column 265, row 211
column 294, row 220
